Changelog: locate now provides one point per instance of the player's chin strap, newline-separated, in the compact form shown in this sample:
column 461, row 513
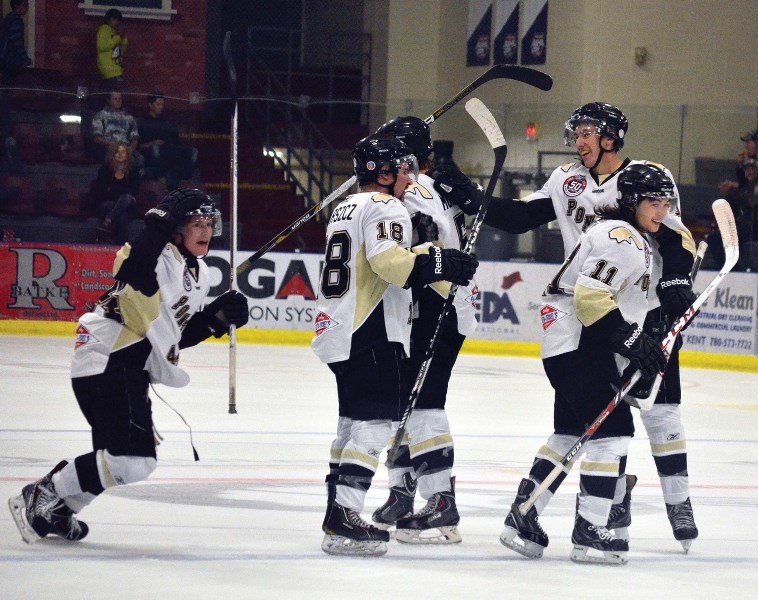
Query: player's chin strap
column 158, row 435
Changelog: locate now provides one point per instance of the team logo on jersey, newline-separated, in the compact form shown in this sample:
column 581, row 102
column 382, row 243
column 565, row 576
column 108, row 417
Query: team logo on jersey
column 549, row 315
column 186, row 280
column 622, row 234
column 324, row 322
column 83, row 336
column 574, row 185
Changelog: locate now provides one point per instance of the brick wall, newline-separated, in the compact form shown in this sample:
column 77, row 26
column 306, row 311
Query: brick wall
column 166, row 55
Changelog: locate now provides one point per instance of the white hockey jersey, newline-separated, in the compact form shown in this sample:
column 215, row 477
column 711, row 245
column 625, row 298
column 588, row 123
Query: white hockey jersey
column 124, row 317
column 611, row 269
column 575, row 194
column 367, row 261
column 421, row 197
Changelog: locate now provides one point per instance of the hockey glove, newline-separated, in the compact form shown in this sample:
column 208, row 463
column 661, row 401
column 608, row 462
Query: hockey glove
column 425, row 227
column 230, row 308
column 441, row 264
column 642, row 350
column 456, row 188
column 676, row 296
column 171, row 211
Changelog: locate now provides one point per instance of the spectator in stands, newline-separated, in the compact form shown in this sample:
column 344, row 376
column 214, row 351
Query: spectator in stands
column 13, row 58
column 114, row 124
column 743, row 199
column 13, row 55
column 115, row 191
column 749, row 151
column 111, row 46
column 165, row 157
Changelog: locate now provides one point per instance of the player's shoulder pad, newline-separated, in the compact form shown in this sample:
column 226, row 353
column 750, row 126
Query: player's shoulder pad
column 621, row 234
column 382, row 197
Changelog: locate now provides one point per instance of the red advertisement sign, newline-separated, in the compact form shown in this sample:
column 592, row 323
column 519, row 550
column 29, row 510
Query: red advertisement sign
column 52, row 282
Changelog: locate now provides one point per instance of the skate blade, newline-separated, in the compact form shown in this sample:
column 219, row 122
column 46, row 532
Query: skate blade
column 437, row 535
column 18, row 512
column 686, row 544
column 338, row 545
column 509, row 538
column 581, row 554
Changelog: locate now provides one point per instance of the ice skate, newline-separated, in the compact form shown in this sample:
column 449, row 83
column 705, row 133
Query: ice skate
column 620, row 517
column 39, row 511
column 399, row 504
column 436, row 523
column 533, row 539
column 345, row 533
column 588, row 539
column 682, row 523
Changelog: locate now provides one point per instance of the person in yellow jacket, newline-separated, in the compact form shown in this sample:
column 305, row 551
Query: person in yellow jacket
column 111, row 46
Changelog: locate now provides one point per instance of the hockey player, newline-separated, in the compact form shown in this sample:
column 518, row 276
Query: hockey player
column 130, row 340
column 590, row 315
column 428, row 462
column 597, row 131
column 363, row 328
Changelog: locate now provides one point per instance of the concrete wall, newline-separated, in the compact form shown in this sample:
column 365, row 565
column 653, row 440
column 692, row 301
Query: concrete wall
column 698, row 88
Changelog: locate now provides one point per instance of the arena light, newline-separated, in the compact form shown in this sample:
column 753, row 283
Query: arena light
column 71, row 119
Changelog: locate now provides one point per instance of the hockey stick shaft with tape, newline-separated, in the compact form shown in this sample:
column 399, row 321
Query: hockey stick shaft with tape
column 526, row 75
column 483, row 117
column 728, row 229
column 233, row 174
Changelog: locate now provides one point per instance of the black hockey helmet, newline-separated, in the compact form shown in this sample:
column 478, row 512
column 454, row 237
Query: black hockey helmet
column 608, row 119
column 644, row 180
column 413, row 131
column 196, row 203
column 377, row 154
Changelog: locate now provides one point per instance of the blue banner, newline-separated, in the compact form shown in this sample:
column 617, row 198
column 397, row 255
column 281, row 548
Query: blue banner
column 505, row 46
column 479, row 41
column 534, row 41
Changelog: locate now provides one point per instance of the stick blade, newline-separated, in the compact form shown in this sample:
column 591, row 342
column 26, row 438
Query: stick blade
column 727, row 226
column 527, row 75
column 483, row 117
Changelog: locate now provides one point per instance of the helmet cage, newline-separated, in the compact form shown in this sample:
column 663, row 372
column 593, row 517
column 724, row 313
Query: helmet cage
column 207, row 210
column 609, row 121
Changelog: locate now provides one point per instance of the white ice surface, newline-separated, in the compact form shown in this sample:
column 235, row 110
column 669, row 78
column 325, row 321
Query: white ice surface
column 244, row 522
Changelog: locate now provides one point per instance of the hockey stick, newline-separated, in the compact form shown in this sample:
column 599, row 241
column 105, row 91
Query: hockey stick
column 526, row 75
column 725, row 219
column 483, row 117
column 232, row 73
column 732, row 255
column 245, row 266
column 646, row 402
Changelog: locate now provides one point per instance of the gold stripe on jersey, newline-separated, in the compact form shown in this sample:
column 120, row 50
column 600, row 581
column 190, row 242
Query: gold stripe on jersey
column 394, row 265
column 369, row 285
column 436, row 443
column 591, row 304
column 673, row 447
column 355, row 457
column 597, row 468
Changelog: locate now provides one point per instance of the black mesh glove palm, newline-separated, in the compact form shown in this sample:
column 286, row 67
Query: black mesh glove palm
column 443, row 265
column 641, row 349
column 455, row 187
column 425, row 227
column 230, row 308
column 676, row 295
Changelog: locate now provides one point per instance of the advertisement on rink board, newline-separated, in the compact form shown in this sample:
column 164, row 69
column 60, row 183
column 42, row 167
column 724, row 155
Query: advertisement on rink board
column 49, row 282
